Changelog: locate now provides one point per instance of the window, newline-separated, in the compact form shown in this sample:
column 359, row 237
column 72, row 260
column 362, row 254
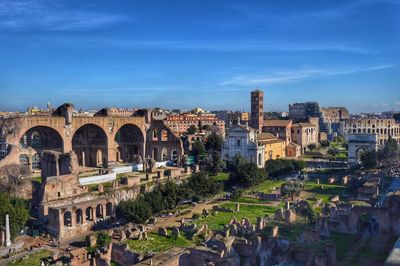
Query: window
column 238, row 142
column 164, row 135
column 155, row 135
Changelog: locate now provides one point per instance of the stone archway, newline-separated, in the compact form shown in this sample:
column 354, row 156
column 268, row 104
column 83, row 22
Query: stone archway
column 79, row 216
column 109, row 209
column 42, row 138
column 38, row 139
column 359, row 153
column 164, row 155
column 154, row 154
column 67, row 219
column 174, row 156
column 89, row 214
column 89, row 143
column 99, row 211
column 129, row 141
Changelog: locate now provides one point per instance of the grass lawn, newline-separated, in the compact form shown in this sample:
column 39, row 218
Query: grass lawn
column 343, row 242
column 325, row 194
column 266, row 186
column 217, row 222
column 157, row 243
column 36, row 179
column 33, row 259
column 249, row 200
column 221, row 177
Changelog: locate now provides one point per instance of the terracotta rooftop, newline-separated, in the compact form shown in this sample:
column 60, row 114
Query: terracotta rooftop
column 266, row 136
column 245, row 127
column 277, row 123
column 271, row 141
column 304, row 124
column 293, row 144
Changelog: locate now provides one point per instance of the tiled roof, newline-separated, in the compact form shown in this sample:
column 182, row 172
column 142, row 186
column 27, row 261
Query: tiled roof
column 304, row 124
column 266, row 136
column 277, row 123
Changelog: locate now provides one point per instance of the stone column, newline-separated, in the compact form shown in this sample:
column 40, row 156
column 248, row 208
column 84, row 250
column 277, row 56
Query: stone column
column 111, row 151
column 67, row 141
column 8, row 236
column 94, row 218
column 73, row 218
column 2, row 238
column 83, row 216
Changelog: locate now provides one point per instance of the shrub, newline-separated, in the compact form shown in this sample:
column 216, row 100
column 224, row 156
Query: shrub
column 324, row 143
column 282, row 166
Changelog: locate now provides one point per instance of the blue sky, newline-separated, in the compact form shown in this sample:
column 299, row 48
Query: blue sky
column 207, row 53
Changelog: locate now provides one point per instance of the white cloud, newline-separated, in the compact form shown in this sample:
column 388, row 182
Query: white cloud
column 297, row 75
column 22, row 15
column 212, row 45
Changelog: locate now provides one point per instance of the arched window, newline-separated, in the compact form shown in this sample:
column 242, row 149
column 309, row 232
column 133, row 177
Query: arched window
column 36, row 162
column 109, row 209
column 89, row 214
column 99, row 211
column 155, row 154
column 164, row 154
column 79, row 216
column 155, row 135
column 164, row 135
column 67, row 219
column 24, row 160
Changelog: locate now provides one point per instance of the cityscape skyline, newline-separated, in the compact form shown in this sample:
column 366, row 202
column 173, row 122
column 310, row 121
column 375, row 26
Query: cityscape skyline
column 162, row 55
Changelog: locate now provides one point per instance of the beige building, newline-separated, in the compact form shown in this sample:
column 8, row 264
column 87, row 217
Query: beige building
column 279, row 128
column 293, row 150
column 275, row 148
column 304, row 134
column 179, row 124
column 382, row 127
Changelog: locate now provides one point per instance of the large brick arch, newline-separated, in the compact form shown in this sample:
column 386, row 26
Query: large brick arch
column 24, row 124
column 66, row 125
column 129, row 141
column 90, row 143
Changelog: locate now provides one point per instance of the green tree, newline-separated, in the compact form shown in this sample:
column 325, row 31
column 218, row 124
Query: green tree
column 391, row 146
column 213, row 162
column 18, row 211
column 214, row 142
column 324, row 143
column 137, row 211
column 203, row 186
column 280, row 167
column 369, row 159
column 103, row 239
column 333, row 151
column 245, row 173
column 192, row 130
column 198, row 149
column 312, row 146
